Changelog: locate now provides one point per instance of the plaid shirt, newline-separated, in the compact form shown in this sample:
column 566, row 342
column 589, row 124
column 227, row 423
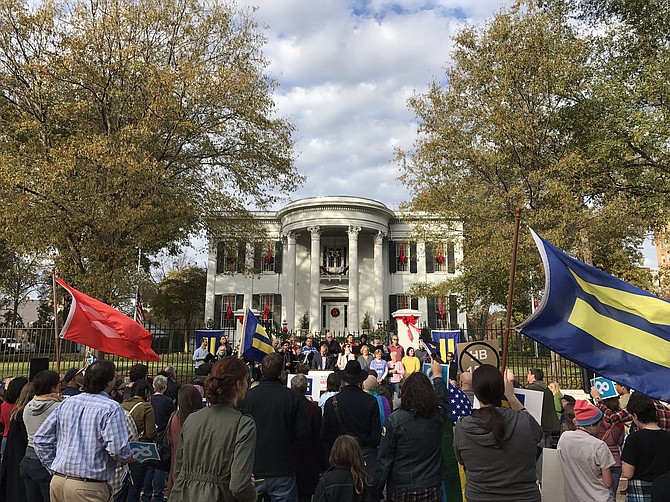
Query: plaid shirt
column 611, row 417
column 85, row 437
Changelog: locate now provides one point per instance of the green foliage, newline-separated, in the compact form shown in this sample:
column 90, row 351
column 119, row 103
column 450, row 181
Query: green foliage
column 367, row 321
column 132, row 124
column 304, row 321
column 509, row 130
column 180, row 296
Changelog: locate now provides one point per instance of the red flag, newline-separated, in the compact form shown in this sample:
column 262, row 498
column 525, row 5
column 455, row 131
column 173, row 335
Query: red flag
column 402, row 255
column 266, row 312
column 268, row 256
column 229, row 311
column 95, row 324
column 441, row 308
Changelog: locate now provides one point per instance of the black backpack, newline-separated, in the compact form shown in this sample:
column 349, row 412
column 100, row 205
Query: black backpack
column 164, row 449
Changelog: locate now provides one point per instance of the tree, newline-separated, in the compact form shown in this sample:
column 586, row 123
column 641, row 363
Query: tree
column 181, row 297
column 131, row 124
column 505, row 132
column 20, row 277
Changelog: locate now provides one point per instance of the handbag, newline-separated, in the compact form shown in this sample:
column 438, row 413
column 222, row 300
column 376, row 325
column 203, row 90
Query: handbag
column 164, row 448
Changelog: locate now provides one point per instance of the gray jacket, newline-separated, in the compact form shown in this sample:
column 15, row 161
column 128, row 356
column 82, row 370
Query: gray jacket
column 499, row 472
column 35, row 413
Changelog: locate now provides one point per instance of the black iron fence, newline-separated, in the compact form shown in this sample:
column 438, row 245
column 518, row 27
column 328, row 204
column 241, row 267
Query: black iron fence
column 18, row 346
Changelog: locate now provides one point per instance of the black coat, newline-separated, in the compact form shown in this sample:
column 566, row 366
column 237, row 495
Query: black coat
column 281, row 422
column 316, row 362
column 12, row 488
column 360, row 418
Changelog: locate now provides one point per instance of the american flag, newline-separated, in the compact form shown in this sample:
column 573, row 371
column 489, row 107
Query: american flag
column 139, row 309
column 459, row 404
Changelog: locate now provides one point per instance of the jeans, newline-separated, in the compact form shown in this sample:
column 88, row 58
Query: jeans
column 154, row 485
column 36, row 478
column 137, row 473
column 278, row 489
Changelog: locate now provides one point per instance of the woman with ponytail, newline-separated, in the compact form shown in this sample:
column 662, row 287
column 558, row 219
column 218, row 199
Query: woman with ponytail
column 496, row 445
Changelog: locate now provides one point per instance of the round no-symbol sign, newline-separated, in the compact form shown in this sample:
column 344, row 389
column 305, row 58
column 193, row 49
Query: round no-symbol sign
column 472, row 355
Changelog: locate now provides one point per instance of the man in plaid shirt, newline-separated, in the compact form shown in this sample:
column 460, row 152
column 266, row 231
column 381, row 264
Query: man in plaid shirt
column 82, row 441
column 611, row 417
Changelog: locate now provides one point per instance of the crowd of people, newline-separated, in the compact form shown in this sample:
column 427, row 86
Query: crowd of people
column 244, row 431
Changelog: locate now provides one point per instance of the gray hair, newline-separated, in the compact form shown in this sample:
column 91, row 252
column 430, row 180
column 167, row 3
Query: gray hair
column 299, row 384
column 160, row 383
column 170, row 371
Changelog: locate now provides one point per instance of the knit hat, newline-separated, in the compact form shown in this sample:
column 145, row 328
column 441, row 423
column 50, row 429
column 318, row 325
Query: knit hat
column 586, row 414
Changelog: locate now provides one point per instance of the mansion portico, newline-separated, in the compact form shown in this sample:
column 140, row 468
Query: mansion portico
column 330, row 260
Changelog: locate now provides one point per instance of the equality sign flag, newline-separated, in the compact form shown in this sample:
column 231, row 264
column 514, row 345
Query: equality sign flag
column 256, row 343
column 602, row 323
column 446, row 341
column 96, row 324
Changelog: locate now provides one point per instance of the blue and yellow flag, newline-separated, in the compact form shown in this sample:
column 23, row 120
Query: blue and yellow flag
column 256, row 343
column 446, row 341
column 602, row 323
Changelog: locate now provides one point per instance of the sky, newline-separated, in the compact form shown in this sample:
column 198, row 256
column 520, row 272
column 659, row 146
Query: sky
column 345, row 70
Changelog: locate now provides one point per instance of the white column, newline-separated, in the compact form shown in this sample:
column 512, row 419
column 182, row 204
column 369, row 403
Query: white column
column 211, row 282
column 354, row 323
column 315, row 280
column 289, row 302
column 379, row 276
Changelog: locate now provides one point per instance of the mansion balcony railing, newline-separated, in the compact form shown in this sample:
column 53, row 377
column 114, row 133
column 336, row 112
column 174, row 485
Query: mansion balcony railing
column 334, row 273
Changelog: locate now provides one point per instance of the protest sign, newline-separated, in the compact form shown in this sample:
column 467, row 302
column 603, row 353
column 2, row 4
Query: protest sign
column 472, row 355
column 317, row 381
column 144, row 451
column 605, row 386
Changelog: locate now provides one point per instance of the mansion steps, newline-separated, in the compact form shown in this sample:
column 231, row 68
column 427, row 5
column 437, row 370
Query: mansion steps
column 328, row 261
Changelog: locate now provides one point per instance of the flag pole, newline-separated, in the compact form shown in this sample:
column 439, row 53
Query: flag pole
column 137, row 291
column 244, row 329
column 57, row 341
column 510, row 296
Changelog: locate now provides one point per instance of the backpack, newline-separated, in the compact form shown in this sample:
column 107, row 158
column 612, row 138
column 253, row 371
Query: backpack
column 164, row 448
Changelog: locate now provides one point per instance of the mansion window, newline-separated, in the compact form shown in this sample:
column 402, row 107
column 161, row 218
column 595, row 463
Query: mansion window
column 443, row 312
column 402, row 256
column 225, row 306
column 229, row 257
column 268, row 256
column 269, row 307
column 334, row 261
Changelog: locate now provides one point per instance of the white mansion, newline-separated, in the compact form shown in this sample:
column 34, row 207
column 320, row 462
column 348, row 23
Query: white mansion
column 329, row 260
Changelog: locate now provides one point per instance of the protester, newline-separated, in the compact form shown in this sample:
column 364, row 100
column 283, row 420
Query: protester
column 308, row 351
column 569, row 415
column 345, row 356
column 172, row 386
column 323, row 360
column 624, row 394
column 11, row 395
column 154, row 481
column 215, row 455
column 333, row 345
column 646, row 453
column 142, row 414
column 378, row 345
column 189, row 401
column 357, row 414
column 310, row 458
column 201, row 355
column 614, row 436
column 394, row 346
column 365, row 358
column 137, row 372
column 379, row 366
column 496, row 444
column 453, row 367
column 45, row 402
column 410, row 458
column 281, row 423
column 466, row 386
column 551, row 425
column 585, row 459
column 558, row 396
column 370, row 386
column 610, row 417
column 396, row 372
column 333, row 383
column 225, row 345
column 87, row 464
column 346, row 480
column 74, row 379
column 410, row 362
column 12, row 486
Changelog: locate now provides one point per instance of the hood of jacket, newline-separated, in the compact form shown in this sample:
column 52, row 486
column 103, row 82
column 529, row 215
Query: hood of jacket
column 36, row 407
column 470, row 428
